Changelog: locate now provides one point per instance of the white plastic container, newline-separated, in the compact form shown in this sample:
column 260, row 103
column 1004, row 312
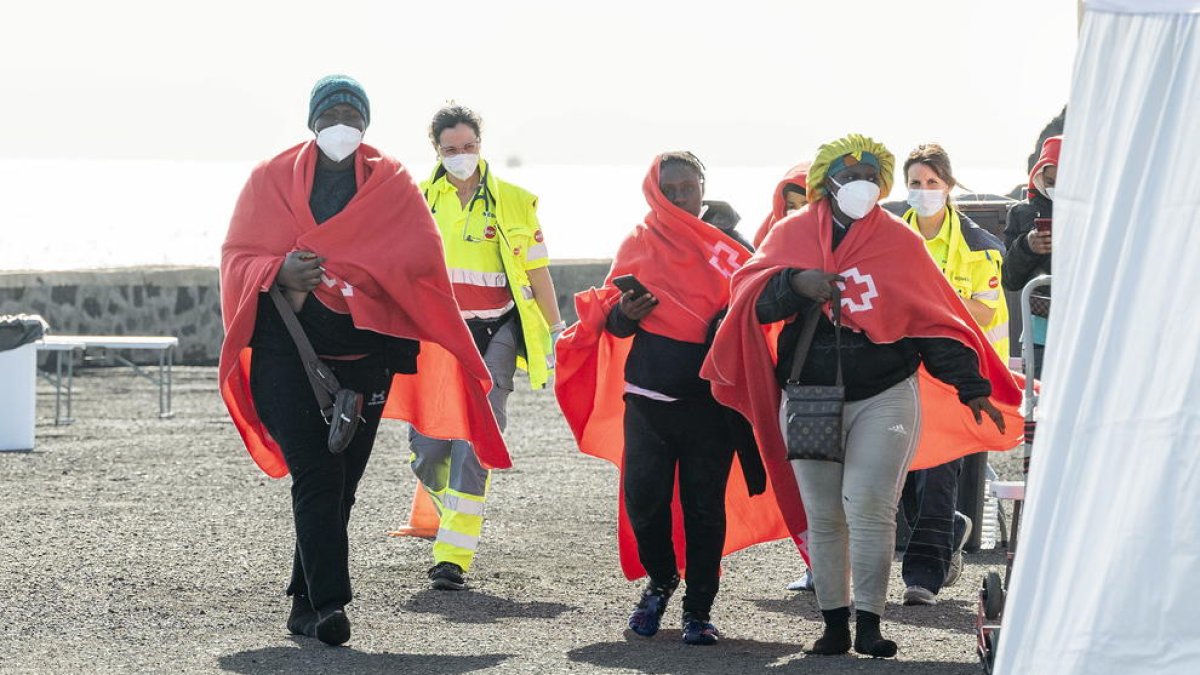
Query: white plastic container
column 18, row 397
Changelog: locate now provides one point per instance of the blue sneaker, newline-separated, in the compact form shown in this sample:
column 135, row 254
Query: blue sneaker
column 697, row 632
column 647, row 615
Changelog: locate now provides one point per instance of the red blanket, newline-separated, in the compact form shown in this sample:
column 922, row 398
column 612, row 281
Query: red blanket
column 385, row 267
column 686, row 264
column 893, row 290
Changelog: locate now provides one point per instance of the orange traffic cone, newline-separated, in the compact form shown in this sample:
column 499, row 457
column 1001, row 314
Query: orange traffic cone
column 423, row 520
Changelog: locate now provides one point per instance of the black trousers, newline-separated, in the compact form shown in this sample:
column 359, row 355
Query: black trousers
column 693, row 437
column 323, row 484
column 929, row 500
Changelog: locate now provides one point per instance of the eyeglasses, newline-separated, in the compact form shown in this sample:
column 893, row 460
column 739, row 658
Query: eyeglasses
column 471, row 148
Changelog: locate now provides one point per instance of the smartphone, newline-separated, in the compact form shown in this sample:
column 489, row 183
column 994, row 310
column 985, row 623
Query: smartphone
column 1042, row 225
column 628, row 282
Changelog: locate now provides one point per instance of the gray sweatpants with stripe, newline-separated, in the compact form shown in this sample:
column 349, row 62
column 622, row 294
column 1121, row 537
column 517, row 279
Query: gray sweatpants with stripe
column 851, row 507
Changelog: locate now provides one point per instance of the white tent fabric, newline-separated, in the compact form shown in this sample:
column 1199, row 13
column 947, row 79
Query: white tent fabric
column 1107, row 576
column 1145, row 6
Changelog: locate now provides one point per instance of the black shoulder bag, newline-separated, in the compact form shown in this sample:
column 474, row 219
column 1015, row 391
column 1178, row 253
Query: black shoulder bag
column 341, row 408
column 814, row 413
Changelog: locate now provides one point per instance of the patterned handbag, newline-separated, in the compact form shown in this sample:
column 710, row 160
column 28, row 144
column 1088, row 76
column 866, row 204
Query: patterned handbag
column 814, row 413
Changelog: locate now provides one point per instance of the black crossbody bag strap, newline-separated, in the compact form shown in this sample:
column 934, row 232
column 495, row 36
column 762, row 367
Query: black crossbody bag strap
column 804, row 343
column 324, row 384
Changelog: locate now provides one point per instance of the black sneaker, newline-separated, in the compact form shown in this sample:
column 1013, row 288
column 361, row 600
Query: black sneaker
column 647, row 615
column 333, row 626
column 303, row 619
column 447, row 576
column 699, row 631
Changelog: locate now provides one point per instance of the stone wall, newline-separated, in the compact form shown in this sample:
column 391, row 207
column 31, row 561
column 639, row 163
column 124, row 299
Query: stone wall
column 182, row 302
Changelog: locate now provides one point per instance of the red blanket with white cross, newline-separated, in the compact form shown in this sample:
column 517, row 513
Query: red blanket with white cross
column 384, row 267
column 893, row 290
column 686, row 263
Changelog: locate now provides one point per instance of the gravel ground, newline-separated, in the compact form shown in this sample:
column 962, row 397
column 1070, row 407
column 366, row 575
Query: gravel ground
column 133, row 544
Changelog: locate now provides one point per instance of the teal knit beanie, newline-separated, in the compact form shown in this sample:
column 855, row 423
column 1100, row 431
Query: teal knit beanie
column 334, row 89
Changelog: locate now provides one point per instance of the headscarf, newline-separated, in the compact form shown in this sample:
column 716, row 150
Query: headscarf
column 1049, row 157
column 796, row 176
column 833, row 157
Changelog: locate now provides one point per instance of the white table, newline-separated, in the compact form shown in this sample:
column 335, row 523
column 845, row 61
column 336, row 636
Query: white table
column 60, row 346
column 114, row 345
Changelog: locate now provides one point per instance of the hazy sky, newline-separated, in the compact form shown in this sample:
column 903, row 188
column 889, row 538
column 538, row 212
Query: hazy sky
column 740, row 82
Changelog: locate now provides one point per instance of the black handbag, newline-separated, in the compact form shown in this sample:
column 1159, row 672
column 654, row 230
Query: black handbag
column 341, row 408
column 814, row 413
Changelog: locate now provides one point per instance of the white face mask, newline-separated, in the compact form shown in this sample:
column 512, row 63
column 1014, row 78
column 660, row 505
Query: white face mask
column 856, row 198
column 926, row 202
column 1049, row 193
column 339, row 141
column 461, row 166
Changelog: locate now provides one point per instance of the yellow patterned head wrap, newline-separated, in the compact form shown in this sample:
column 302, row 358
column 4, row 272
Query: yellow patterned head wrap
column 852, row 149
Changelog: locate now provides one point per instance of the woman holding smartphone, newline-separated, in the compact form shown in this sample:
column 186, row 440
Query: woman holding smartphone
column 668, row 285
column 1027, row 236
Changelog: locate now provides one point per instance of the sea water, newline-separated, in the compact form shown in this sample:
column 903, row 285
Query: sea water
column 87, row 214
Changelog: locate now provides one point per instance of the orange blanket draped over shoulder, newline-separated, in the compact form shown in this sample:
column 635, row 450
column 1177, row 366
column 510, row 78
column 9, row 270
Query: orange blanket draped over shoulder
column 384, row 266
column 686, row 264
column 893, row 290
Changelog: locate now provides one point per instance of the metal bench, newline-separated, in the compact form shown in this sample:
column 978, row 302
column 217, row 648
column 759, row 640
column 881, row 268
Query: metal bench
column 113, row 345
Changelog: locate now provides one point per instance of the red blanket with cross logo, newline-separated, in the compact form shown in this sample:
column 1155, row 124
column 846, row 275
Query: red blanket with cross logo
column 893, row 290
column 686, row 263
column 384, row 266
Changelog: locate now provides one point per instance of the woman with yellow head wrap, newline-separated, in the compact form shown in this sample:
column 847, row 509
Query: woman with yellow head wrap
column 897, row 313
column 835, row 158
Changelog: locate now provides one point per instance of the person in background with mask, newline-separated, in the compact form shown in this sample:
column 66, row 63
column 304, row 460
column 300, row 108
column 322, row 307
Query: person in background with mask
column 790, row 195
column 496, row 253
column 341, row 229
column 970, row 258
column 1027, row 235
column 897, row 313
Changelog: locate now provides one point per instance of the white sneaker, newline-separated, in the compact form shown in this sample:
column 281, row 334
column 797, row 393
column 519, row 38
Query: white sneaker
column 804, row 583
column 919, row 595
column 956, row 556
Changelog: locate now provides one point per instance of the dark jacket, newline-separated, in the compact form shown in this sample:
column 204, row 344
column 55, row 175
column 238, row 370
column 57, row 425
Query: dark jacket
column 660, row 363
column 672, row 367
column 868, row 368
column 1022, row 264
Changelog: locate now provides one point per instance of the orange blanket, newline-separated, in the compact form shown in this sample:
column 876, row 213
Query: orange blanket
column 686, row 264
column 385, row 267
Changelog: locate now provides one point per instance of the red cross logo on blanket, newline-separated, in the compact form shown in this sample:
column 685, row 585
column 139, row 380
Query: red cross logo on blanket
column 858, row 291
column 725, row 258
column 347, row 289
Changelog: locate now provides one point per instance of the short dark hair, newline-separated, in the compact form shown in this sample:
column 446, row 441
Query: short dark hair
column 792, row 188
column 685, row 158
column 451, row 115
